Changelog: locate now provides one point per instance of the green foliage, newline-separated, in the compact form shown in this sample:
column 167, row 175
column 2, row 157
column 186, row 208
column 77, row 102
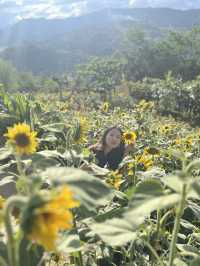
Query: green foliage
column 11, row 79
column 27, row 82
column 86, row 187
column 136, row 48
column 177, row 51
column 32, row 52
column 8, row 74
column 17, row 105
column 172, row 96
column 29, row 254
column 101, row 73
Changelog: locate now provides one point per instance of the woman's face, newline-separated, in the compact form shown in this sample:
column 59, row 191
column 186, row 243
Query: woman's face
column 113, row 138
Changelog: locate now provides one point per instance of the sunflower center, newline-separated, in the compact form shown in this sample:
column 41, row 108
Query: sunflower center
column 128, row 136
column 22, row 140
column 46, row 216
column 153, row 151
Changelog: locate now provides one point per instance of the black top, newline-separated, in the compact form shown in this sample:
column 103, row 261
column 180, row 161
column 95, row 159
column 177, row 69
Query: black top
column 112, row 159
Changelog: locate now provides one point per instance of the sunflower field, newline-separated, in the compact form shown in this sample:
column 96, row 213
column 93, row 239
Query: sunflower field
column 57, row 207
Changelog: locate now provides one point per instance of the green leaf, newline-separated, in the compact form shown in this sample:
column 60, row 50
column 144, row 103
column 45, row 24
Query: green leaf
column 177, row 154
column 179, row 262
column 188, row 250
column 4, row 153
column 186, row 224
column 44, row 159
column 30, row 255
column 120, row 231
column 120, row 197
column 195, row 208
column 155, row 173
column 7, row 180
column 173, row 182
column 7, row 186
column 89, row 190
column 49, row 154
column 150, row 187
column 113, row 213
column 48, row 137
column 55, row 127
column 96, row 170
column 3, row 251
column 69, row 242
column 196, row 187
column 141, row 206
column 176, row 184
column 130, row 191
column 193, row 165
column 195, row 262
column 86, row 152
column 115, row 232
column 196, row 236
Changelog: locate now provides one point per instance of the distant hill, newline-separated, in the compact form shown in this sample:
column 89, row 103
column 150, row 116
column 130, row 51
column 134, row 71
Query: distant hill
column 49, row 46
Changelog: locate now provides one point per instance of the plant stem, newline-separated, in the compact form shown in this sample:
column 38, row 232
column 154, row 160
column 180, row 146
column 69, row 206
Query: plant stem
column 13, row 257
column 179, row 214
column 80, row 258
column 3, row 262
column 165, row 216
column 22, row 185
column 131, row 251
column 72, row 156
column 158, row 222
column 153, row 251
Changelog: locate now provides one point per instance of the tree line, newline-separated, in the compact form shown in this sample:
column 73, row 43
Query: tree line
column 139, row 56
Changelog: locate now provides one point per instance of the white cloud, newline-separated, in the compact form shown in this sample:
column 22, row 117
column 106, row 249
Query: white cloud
column 179, row 4
column 50, row 9
column 19, row 2
column 74, row 9
column 21, row 9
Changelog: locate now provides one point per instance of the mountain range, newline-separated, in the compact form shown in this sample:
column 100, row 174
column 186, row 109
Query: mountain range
column 57, row 45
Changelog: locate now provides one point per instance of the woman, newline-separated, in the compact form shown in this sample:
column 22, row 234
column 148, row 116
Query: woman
column 111, row 149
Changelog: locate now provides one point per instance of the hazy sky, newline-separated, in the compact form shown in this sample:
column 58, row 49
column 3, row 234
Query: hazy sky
column 19, row 9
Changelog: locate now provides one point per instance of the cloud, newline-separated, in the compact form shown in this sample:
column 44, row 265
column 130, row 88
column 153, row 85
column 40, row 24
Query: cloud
column 12, row 10
column 23, row 9
column 178, row 4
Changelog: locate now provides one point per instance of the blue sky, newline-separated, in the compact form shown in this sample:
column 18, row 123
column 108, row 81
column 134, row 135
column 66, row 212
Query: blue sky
column 20, row 9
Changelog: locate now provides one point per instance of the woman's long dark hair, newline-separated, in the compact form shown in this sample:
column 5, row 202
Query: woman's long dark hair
column 103, row 139
column 115, row 156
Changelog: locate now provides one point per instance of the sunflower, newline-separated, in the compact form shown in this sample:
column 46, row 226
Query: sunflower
column 151, row 151
column 48, row 218
column 64, row 107
column 105, row 107
column 178, row 141
column 166, row 129
column 115, row 179
column 2, row 201
column 185, row 143
column 144, row 162
column 80, row 130
column 129, row 137
column 131, row 168
column 145, row 105
column 22, row 138
column 189, row 141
